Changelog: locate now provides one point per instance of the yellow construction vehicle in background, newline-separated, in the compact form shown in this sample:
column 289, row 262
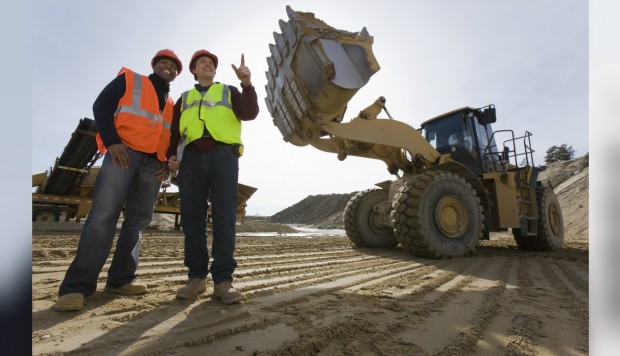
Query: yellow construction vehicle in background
column 453, row 186
column 67, row 188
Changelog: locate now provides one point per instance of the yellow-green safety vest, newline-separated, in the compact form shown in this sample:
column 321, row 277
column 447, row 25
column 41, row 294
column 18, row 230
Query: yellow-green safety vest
column 212, row 110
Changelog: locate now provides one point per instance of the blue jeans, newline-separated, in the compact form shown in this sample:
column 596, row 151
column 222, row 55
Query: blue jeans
column 203, row 178
column 136, row 188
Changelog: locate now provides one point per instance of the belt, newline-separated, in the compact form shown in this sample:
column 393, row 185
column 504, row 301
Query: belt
column 204, row 144
column 206, row 134
column 237, row 148
column 218, row 143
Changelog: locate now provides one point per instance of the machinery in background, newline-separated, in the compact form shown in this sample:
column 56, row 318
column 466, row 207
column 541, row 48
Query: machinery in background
column 66, row 189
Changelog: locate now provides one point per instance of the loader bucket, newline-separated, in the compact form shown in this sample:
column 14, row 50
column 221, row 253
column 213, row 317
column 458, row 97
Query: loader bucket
column 313, row 72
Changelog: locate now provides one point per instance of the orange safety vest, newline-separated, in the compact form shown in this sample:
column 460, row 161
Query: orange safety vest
column 138, row 121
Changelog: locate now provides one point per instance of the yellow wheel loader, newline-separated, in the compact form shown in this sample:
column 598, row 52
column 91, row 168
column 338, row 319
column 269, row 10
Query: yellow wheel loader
column 453, row 185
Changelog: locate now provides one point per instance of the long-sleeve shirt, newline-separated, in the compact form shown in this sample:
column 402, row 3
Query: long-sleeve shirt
column 106, row 104
column 245, row 107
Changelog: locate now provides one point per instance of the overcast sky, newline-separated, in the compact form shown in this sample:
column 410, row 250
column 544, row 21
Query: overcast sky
column 528, row 57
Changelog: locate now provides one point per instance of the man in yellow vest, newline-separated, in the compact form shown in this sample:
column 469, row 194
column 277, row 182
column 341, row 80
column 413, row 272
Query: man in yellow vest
column 133, row 114
column 205, row 147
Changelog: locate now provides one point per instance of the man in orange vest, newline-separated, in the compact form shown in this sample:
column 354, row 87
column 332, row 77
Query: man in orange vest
column 133, row 114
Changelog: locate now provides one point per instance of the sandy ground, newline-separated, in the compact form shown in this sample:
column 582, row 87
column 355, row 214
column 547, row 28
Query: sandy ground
column 321, row 296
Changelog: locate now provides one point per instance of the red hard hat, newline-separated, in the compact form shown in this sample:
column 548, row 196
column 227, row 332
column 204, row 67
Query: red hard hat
column 198, row 54
column 168, row 53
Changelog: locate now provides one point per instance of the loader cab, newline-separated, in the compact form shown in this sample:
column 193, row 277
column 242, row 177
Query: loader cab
column 468, row 135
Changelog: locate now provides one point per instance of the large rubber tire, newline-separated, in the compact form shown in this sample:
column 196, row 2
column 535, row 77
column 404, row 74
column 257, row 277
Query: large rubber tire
column 45, row 214
column 438, row 215
column 362, row 224
column 550, row 227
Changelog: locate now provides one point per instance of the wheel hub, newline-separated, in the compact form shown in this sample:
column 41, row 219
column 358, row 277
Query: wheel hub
column 554, row 219
column 46, row 216
column 451, row 216
column 378, row 222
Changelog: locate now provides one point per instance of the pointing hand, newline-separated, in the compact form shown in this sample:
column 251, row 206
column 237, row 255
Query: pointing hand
column 243, row 73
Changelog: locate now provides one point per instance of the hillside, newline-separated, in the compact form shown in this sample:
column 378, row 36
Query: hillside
column 569, row 179
column 323, row 211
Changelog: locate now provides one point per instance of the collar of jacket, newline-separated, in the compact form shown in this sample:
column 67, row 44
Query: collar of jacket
column 202, row 89
column 160, row 85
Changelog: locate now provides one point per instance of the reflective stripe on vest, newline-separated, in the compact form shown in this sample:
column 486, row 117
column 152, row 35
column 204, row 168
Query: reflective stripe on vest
column 138, row 120
column 211, row 109
column 135, row 104
column 222, row 102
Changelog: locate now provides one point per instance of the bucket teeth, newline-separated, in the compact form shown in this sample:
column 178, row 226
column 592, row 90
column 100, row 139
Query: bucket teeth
column 313, row 72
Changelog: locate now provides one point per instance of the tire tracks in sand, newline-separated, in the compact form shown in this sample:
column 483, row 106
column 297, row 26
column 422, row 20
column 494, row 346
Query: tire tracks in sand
column 320, row 296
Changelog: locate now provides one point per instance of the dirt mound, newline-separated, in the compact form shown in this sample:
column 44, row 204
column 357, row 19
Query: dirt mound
column 559, row 172
column 571, row 183
column 322, row 211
